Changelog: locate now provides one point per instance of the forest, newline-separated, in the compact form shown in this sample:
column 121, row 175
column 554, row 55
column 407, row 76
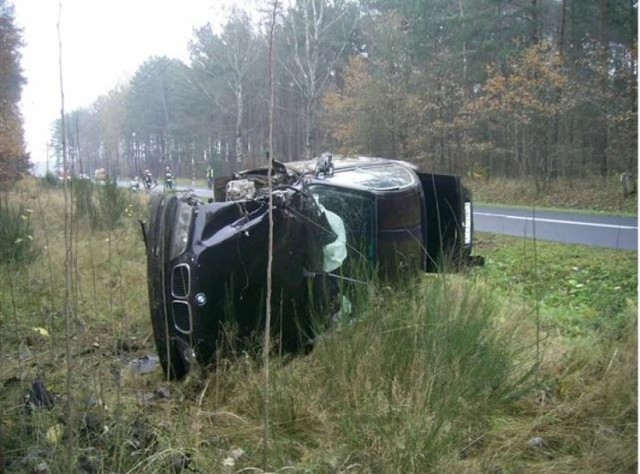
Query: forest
column 533, row 89
column 525, row 364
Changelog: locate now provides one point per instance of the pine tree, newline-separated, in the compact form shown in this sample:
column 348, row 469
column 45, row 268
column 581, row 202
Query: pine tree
column 14, row 161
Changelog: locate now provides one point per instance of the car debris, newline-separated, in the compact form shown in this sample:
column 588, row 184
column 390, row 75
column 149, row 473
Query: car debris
column 39, row 396
column 336, row 220
column 143, row 365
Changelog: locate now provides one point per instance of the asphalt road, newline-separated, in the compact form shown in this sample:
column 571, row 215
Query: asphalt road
column 595, row 230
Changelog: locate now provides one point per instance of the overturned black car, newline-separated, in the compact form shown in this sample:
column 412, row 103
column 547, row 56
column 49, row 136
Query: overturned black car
column 336, row 221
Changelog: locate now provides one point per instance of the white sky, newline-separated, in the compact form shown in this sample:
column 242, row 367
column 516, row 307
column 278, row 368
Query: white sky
column 103, row 43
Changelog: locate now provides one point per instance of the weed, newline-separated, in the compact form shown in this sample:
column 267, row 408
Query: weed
column 112, row 205
column 582, row 290
column 50, row 180
column 431, row 376
column 16, row 233
column 584, row 417
column 83, row 195
column 103, row 206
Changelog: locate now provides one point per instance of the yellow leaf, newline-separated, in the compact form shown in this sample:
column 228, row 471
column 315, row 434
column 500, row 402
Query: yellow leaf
column 54, row 434
column 42, row 331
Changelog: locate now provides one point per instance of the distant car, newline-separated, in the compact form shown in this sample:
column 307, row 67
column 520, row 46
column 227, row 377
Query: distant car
column 335, row 220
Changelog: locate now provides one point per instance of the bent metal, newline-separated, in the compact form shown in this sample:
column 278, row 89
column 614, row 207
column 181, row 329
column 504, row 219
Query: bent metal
column 336, row 220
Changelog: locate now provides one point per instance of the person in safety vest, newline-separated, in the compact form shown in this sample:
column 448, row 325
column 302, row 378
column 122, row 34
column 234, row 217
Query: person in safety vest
column 168, row 178
column 210, row 177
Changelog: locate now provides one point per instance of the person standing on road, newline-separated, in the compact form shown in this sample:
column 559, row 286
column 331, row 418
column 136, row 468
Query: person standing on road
column 211, row 181
column 168, row 178
column 210, row 177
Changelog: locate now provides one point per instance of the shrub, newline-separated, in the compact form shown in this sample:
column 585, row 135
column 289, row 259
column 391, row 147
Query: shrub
column 83, row 193
column 104, row 206
column 16, row 234
column 112, row 205
column 50, row 180
column 416, row 375
column 428, row 369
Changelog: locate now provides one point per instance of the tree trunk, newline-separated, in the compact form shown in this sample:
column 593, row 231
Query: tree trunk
column 535, row 36
column 240, row 112
column 308, row 129
column 601, row 138
column 563, row 25
column 464, row 45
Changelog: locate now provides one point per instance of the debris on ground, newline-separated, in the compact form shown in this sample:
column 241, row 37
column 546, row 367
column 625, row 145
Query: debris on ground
column 39, row 396
column 144, row 365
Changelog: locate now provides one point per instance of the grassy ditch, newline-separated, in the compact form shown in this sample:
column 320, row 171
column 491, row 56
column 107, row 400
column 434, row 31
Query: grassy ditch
column 583, row 302
column 504, row 369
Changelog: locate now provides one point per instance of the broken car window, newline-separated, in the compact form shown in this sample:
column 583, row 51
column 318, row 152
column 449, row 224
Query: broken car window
column 357, row 212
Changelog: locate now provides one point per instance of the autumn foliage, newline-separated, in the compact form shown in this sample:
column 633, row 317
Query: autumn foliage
column 432, row 91
column 13, row 159
column 537, row 89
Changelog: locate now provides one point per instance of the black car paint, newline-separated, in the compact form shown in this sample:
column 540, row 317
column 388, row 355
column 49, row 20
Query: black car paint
column 225, row 260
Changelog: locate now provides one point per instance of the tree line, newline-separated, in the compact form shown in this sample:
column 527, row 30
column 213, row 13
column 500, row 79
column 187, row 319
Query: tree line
column 536, row 89
column 14, row 161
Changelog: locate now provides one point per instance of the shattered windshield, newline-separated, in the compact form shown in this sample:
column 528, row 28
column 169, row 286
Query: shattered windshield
column 357, row 210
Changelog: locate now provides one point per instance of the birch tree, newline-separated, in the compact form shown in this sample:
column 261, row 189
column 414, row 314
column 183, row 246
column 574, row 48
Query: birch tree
column 227, row 60
column 316, row 33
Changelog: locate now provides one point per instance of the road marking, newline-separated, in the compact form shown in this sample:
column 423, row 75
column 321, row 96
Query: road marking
column 559, row 221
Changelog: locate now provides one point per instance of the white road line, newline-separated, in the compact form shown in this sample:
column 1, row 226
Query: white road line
column 559, row 221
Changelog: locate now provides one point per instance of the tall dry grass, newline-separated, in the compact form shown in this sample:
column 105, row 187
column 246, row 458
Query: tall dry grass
column 587, row 194
column 436, row 375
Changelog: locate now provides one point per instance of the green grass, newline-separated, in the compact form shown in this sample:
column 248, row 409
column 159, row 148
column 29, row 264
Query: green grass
column 439, row 375
column 585, row 300
column 581, row 290
column 16, row 233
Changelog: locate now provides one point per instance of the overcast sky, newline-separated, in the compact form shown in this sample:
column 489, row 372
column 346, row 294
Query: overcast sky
column 103, row 43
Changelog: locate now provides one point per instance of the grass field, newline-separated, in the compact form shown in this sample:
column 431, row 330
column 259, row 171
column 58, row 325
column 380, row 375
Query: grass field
column 528, row 364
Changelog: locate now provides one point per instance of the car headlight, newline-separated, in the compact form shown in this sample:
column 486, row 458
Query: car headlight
column 181, row 230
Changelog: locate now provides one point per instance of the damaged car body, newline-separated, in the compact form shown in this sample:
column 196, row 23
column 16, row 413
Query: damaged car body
column 336, row 221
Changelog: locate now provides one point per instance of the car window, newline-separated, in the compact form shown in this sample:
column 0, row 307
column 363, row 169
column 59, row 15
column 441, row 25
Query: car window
column 358, row 213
